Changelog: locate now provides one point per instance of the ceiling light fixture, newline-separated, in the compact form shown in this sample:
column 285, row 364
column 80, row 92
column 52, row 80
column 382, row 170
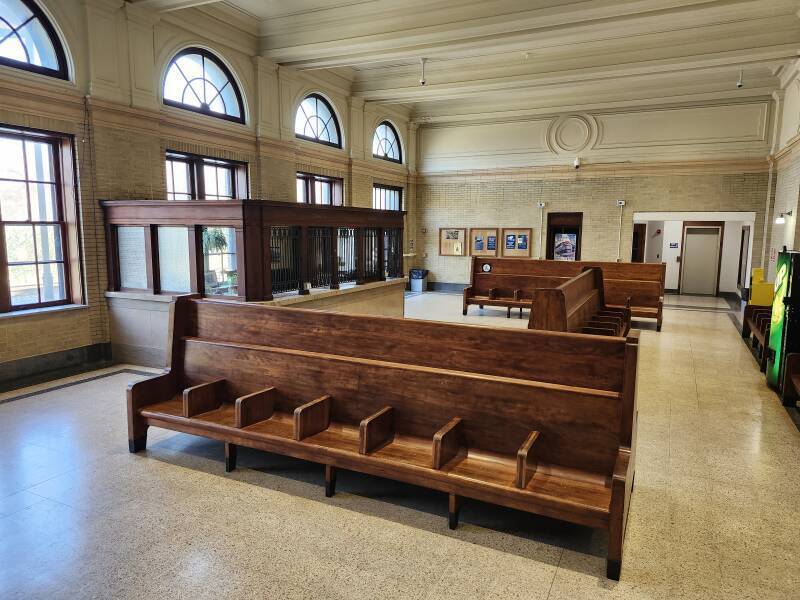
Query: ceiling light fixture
column 781, row 218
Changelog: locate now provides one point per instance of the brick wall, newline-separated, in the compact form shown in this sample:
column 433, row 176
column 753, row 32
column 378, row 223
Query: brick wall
column 510, row 201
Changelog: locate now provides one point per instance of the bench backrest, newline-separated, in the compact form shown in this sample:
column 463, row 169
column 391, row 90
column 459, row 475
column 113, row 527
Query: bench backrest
column 643, row 283
column 427, row 372
column 569, row 306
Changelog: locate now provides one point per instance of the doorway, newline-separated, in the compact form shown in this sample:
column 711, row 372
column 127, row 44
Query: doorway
column 564, row 236
column 701, row 258
column 639, row 236
column 744, row 257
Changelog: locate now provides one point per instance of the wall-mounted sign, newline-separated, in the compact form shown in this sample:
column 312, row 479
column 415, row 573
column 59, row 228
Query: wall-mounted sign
column 516, row 242
column 673, row 244
column 452, row 241
column 483, row 242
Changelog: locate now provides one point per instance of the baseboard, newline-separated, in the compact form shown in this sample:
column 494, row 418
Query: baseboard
column 33, row 370
column 670, row 291
column 438, row 286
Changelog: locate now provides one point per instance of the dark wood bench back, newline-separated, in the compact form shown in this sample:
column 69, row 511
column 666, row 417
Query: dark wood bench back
column 507, row 284
column 583, row 361
column 569, row 306
column 581, row 427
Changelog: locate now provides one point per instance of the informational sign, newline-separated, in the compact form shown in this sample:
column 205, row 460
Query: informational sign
column 452, row 241
column 565, row 246
column 517, row 242
column 673, row 244
column 483, row 242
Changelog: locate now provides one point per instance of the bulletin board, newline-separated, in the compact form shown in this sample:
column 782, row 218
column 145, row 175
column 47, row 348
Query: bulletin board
column 516, row 242
column 483, row 242
column 452, row 241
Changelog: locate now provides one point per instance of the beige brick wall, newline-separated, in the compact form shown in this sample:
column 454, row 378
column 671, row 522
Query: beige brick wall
column 787, row 190
column 510, row 201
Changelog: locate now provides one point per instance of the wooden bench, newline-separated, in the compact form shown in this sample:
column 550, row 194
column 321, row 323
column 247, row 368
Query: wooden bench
column 538, row 421
column 755, row 323
column 643, row 283
column 578, row 306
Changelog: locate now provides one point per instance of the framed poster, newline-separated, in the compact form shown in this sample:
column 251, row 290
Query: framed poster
column 452, row 241
column 483, row 242
column 566, row 245
column 517, row 242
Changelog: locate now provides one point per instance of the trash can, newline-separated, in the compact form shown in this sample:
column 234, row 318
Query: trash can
column 419, row 280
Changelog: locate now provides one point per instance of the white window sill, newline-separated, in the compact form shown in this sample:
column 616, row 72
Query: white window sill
column 32, row 312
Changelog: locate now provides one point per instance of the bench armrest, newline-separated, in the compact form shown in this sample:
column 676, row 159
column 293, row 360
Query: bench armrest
column 150, row 391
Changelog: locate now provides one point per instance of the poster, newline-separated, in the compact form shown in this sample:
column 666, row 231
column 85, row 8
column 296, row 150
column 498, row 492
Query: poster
column 491, row 242
column 478, row 242
column 483, row 241
column 452, row 241
column 511, row 241
column 522, row 242
column 517, row 242
column 566, row 245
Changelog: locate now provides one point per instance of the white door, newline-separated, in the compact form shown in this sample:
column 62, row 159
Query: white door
column 700, row 260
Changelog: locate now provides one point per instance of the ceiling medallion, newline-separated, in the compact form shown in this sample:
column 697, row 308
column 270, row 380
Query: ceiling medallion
column 569, row 134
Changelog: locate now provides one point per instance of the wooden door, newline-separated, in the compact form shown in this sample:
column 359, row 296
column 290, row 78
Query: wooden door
column 639, row 236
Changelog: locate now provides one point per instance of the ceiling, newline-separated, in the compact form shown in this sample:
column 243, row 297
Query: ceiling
column 527, row 56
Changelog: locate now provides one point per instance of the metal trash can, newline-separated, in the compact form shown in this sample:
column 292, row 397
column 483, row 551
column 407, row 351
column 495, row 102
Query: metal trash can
column 419, row 280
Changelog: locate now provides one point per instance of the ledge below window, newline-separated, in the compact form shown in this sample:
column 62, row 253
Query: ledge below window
column 45, row 310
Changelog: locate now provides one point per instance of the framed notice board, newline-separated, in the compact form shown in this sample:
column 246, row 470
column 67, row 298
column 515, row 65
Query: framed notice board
column 483, row 242
column 452, row 241
column 517, row 242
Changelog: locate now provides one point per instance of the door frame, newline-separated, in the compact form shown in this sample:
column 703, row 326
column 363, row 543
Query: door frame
column 741, row 277
column 572, row 219
column 708, row 225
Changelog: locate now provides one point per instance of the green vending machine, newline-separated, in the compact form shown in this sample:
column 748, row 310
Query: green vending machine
column 784, row 330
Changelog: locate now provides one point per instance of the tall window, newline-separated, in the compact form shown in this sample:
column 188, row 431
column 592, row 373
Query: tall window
column 316, row 121
column 33, row 258
column 28, row 40
column 318, row 189
column 386, row 143
column 198, row 81
column 191, row 177
column 387, row 197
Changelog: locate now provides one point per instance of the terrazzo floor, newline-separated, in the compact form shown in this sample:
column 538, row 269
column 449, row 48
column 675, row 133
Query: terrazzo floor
column 715, row 511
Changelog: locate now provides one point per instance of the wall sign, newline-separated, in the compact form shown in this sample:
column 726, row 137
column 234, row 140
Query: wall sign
column 483, row 242
column 517, row 242
column 452, row 241
column 673, row 244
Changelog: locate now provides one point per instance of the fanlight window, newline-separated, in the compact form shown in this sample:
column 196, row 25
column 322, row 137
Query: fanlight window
column 316, row 122
column 386, row 143
column 28, row 40
column 196, row 80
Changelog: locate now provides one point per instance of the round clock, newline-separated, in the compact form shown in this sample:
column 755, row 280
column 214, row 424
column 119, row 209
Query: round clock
column 487, row 268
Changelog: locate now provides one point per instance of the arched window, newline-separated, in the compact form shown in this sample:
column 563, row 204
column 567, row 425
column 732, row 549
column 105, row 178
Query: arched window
column 386, row 143
column 315, row 121
column 29, row 41
column 197, row 80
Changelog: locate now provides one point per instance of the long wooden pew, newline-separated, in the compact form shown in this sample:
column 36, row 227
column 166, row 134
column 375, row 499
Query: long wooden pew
column 538, row 421
column 578, row 306
column 510, row 282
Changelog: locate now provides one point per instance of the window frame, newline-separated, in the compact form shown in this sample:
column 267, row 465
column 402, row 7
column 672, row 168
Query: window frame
column 197, row 183
column 309, row 179
column 320, row 98
column 61, row 56
column 68, row 221
column 388, row 188
column 207, row 55
column 399, row 144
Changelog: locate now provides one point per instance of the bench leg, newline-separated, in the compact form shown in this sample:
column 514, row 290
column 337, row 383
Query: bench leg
column 454, row 506
column 231, row 452
column 520, row 312
column 464, row 312
column 508, row 312
column 480, row 306
column 330, row 480
column 613, row 569
column 762, row 362
column 139, row 443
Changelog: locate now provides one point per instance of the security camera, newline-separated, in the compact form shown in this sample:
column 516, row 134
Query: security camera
column 423, row 81
column 740, row 81
column 541, row 204
column 577, row 162
column 620, row 203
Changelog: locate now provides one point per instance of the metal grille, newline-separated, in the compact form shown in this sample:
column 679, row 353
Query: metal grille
column 372, row 268
column 285, row 246
column 347, row 255
column 319, row 256
column 393, row 249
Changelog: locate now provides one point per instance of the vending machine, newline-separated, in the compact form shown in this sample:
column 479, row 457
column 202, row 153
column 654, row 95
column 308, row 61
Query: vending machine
column 784, row 330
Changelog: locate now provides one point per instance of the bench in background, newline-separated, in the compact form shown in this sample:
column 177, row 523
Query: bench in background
column 508, row 278
column 755, row 323
column 538, row 421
